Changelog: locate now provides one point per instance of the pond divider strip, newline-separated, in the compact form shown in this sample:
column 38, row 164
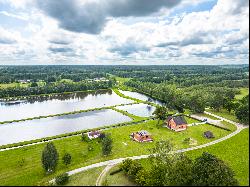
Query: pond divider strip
column 76, row 133
column 66, row 113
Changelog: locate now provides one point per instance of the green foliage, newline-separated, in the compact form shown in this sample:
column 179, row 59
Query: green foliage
column 49, row 158
column 85, row 137
column 208, row 170
column 62, row 179
column 106, row 145
column 66, row 158
column 242, row 111
column 125, row 165
column 142, row 177
column 134, row 168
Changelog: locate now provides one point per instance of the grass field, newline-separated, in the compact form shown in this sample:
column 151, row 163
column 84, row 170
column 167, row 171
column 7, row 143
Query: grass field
column 118, row 179
column 233, row 151
column 14, row 171
column 86, row 178
column 243, row 93
column 9, row 85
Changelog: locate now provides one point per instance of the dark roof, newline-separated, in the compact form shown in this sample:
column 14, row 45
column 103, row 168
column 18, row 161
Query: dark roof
column 143, row 132
column 179, row 120
column 208, row 134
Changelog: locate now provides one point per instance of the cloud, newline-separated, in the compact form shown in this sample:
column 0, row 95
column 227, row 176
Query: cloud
column 60, row 49
column 91, row 16
column 7, row 37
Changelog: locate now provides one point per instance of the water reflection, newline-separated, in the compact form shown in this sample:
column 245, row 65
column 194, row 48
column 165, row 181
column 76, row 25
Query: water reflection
column 142, row 110
column 34, row 129
column 141, row 97
column 59, row 103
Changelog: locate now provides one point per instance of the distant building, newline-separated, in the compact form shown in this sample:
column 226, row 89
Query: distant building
column 24, row 81
column 176, row 123
column 141, row 136
column 93, row 134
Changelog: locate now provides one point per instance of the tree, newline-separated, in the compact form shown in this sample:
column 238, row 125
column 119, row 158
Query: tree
column 126, row 165
column 62, row 179
column 228, row 105
column 208, row 170
column 49, row 157
column 66, row 158
column 160, row 113
column 242, row 111
column 134, row 168
column 106, row 145
column 33, row 84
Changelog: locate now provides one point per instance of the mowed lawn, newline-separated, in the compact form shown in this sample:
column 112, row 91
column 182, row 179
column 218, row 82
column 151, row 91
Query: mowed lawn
column 23, row 166
column 243, row 93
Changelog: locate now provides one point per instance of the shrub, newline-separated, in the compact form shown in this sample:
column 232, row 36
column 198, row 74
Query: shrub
column 62, row 179
column 66, row 158
column 85, row 137
column 125, row 166
column 135, row 167
column 141, row 177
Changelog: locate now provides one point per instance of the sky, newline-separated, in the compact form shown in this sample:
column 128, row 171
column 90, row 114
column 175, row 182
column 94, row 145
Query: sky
column 124, row 32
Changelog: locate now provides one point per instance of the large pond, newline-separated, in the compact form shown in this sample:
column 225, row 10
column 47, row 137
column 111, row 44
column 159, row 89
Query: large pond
column 40, row 128
column 141, row 97
column 142, row 110
column 60, row 103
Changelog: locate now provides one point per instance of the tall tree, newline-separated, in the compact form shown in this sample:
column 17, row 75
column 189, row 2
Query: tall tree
column 49, row 157
column 208, row 170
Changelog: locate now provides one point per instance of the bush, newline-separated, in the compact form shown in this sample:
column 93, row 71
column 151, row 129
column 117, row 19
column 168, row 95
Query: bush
column 125, row 166
column 62, row 179
column 66, row 158
column 135, row 167
column 141, row 177
column 85, row 137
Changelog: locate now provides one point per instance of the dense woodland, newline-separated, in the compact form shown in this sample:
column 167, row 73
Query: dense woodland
column 179, row 87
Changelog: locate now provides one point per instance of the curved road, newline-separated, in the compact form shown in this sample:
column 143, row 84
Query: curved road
column 110, row 163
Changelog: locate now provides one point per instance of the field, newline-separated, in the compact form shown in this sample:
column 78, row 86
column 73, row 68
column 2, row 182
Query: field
column 243, row 93
column 233, row 151
column 23, row 166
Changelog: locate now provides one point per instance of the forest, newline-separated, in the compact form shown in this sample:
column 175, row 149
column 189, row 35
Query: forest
column 192, row 87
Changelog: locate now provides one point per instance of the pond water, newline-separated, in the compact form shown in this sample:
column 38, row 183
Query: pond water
column 40, row 128
column 142, row 110
column 141, row 97
column 60, row 103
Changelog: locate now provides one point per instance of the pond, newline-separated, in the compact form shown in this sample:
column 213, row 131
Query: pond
column 40, row 128
column 142, row 110
column 141, row 97
column 60, row 103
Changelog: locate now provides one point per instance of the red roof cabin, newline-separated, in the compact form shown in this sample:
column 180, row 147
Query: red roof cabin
column 176, row 123
column 141, row 136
